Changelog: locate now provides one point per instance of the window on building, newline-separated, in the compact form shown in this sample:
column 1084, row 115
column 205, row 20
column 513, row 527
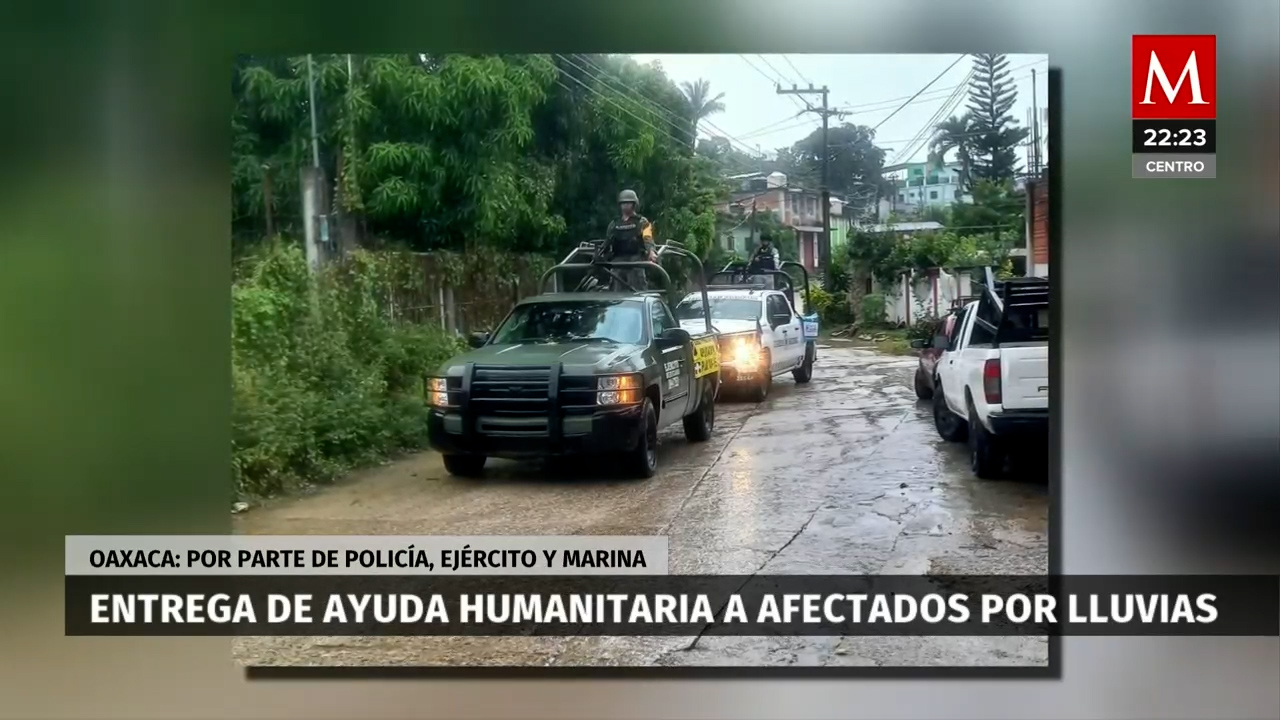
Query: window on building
column 730, row 243
column 902, row 198
column 933, row 194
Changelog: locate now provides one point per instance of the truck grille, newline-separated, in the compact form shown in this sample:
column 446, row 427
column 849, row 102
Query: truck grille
column 518, row 401
column 511, row 392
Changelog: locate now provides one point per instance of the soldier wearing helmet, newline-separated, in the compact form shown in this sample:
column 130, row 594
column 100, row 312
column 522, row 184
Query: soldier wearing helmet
column 629, row 238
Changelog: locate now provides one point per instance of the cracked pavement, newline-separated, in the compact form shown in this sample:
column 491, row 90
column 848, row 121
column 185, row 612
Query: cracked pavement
column 845, row 475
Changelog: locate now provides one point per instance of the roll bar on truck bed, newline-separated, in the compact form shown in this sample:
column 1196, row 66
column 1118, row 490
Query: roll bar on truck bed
column 743, row 271
column 583, row 260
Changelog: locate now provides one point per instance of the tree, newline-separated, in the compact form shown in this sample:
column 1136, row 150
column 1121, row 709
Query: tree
column 854, row 163
column 994, row 138
column 701, row 103
column 955, row 134
column 512, row 152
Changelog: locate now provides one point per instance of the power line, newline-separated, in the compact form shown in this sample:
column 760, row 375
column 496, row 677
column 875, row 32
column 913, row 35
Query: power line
column 798, row 73
column 926, row 87
column 683, row 123
column 775, row 123
column 803, row 123
column 922, row 135
column 873, row 107
column 939, row 92
column 773, row 80
column 611, row 102
column 658, row 110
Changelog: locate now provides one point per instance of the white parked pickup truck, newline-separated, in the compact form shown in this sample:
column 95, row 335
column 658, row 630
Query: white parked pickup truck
column 992, row 383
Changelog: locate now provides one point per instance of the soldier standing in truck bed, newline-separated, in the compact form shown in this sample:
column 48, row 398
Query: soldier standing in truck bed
column 629, row 239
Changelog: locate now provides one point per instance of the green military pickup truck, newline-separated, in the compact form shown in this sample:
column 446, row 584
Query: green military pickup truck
column 594, row 367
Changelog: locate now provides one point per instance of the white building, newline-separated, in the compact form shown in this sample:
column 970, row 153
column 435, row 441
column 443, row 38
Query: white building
column 917, row 186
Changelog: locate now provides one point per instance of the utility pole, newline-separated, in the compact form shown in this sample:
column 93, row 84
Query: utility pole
column 753, row 227
column 824, row 242
column 1035, row 128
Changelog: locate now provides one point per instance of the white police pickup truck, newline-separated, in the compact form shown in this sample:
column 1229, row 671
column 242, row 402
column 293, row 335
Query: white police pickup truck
column 991, row 385
column 760, row 335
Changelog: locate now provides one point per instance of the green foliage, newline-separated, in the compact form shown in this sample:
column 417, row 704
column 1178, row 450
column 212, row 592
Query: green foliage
column 323, row 377
column 996, row 138
column 519, row 153
column 833, row 310
column 873, row 310
column 924, row 327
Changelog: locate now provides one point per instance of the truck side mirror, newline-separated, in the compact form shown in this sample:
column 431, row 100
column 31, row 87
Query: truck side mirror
column 919, row 344
column 477, row 340
column 674, row 336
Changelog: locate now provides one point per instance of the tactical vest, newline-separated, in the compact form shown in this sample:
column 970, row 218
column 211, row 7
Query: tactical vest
column 764, row 259
column 627, row 237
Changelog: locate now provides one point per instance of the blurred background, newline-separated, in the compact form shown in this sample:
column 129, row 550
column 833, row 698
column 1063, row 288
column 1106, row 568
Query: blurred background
column 114, row 326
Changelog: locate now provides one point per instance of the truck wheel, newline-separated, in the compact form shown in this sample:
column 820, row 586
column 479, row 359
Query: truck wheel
column 804, row 373
column 986, row 457
column 923, row 391
column 698, row 426
column 467, row 466
column 950, row 427
column 642, row 462
column 761, row 389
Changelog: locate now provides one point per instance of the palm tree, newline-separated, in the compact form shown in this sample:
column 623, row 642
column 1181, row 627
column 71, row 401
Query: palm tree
column 954, row 133
column 701, row 104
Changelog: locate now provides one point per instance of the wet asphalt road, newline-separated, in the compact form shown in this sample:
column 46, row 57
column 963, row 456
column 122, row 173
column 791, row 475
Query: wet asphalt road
column 845, row 475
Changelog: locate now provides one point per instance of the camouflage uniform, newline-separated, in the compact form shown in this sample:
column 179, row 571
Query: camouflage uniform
column 629, row 239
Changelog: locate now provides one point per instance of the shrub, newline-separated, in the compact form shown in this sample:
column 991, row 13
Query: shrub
column 873, row 309
column 832, row 310
column 924, row 327
column 322, row 378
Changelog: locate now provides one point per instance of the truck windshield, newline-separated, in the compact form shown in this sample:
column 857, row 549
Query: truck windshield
column 721, row 309
column 620, row 321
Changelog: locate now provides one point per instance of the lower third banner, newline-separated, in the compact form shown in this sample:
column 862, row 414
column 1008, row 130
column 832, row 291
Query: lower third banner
column 671, row 605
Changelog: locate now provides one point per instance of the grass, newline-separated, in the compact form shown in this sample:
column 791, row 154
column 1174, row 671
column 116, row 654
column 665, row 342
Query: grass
column 890, row 341
column 894, row 342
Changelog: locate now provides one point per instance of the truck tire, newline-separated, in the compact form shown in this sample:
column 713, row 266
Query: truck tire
column 466, row 466
column 642, row 461
column 760, row 390
column 699, row 425
column 949, row 425
column 923, row 391
column 986, row 457
column 804, row 373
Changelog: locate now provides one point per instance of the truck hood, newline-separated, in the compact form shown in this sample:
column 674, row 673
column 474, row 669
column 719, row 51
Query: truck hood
column 723, row 327
column 586, row 356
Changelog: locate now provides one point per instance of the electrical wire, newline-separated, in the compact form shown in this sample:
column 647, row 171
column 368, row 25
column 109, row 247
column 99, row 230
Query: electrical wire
column 796, row 69
column 682, row 126
column 921, row 90
column 923, row 134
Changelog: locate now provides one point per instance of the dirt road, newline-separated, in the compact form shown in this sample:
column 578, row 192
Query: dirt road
column 843, row 475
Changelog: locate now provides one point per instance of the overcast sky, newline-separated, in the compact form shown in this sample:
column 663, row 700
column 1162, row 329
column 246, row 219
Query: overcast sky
column 871, row 87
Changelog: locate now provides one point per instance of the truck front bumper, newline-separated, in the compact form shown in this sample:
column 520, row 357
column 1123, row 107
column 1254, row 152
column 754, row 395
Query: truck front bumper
column 603, row 431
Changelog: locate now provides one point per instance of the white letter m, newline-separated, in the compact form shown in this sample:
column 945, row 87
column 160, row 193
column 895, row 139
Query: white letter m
column 1155, row 71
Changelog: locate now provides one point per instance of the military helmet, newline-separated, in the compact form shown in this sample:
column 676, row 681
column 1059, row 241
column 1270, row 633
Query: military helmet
column 628, row 196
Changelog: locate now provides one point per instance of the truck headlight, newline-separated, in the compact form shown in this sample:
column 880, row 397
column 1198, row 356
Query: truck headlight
column 618, row 390
column 437, row 392
column 743, row 352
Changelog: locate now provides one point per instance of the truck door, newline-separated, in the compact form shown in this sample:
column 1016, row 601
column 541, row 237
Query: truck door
column 794, row 335
column 675, row 366
column 948, row 370
column 785, row 339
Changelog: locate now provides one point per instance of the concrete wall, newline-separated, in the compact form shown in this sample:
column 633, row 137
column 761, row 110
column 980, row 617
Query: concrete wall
column 928, row 293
